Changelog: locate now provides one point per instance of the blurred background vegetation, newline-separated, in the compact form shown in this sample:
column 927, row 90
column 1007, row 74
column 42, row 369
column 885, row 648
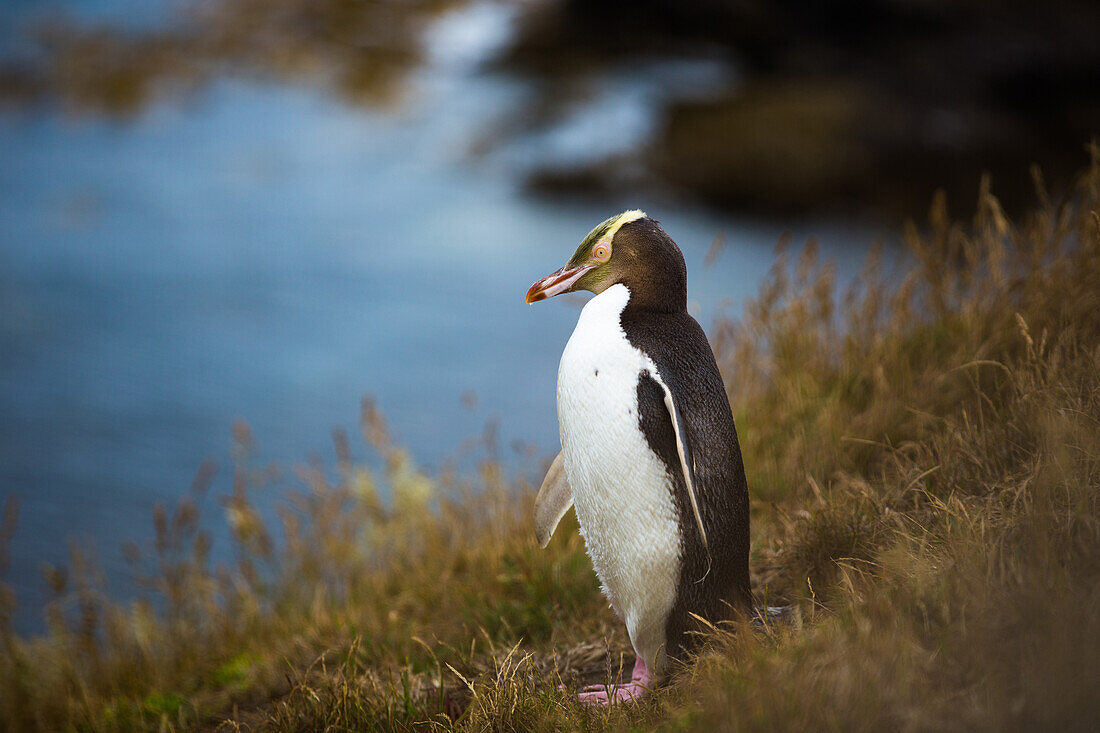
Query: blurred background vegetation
column 867, row 106
column 236, row 216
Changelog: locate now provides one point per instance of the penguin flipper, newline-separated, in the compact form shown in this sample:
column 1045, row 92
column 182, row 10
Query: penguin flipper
column 553, row 501
column 687, row 460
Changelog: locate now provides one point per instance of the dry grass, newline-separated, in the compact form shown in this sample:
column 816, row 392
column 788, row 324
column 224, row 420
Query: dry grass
column 925, row 463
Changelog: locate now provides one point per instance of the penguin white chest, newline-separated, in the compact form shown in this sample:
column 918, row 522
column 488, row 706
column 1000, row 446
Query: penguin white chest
column 621, row 489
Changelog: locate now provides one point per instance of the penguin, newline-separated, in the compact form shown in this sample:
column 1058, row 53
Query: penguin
column 649, row 453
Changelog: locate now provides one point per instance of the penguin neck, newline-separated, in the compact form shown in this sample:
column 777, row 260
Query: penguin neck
column 654, row 296
column 618, row 303
column 607, row 307
column 655, row 300
column 655, row 277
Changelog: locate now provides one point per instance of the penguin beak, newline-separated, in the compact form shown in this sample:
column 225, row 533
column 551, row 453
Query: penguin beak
column 555, row 283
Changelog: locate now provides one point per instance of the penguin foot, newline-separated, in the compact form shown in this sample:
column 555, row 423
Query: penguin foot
column 640, row 685
column 599, row 695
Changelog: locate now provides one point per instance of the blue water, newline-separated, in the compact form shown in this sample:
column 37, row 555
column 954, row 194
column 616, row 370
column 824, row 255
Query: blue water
column 266, row 252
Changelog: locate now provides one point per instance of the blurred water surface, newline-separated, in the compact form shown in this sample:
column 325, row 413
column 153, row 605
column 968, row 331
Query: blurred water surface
column 265, row 252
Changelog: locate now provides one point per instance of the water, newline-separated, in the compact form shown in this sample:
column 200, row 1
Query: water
column 265, row 252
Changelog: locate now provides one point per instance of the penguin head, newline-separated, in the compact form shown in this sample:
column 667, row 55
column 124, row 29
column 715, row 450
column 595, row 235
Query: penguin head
column 631, row 249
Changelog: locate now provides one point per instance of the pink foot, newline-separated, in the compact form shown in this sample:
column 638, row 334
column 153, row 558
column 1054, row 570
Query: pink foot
column 641, row 682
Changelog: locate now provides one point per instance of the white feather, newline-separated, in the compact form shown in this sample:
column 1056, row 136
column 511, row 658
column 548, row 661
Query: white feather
column 621, row 489
column 553, row 501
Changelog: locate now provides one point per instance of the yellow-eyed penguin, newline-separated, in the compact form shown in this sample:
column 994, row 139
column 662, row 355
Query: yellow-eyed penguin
column 649, row 457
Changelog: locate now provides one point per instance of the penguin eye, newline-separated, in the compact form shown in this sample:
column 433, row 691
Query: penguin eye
column 601, row 252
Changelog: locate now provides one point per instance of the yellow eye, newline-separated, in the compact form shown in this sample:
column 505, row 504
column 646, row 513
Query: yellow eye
column 601, row 252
